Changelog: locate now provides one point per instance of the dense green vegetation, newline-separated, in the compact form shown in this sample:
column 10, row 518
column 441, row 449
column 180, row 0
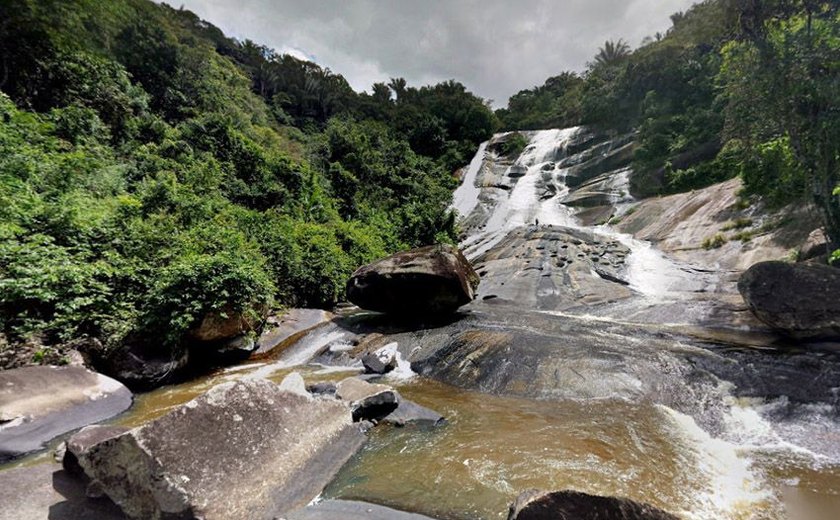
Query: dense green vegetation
column 153, row 170
column 735, row 87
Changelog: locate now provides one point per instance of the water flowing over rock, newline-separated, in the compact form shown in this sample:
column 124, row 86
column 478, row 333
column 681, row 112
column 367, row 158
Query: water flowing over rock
column 573, row 505
column 802, row 300
column 425, row 281
column 40, row 403
column 243, row 450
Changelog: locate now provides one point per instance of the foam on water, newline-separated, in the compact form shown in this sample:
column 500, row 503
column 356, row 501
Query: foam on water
column 299, row 353
column 729, row 488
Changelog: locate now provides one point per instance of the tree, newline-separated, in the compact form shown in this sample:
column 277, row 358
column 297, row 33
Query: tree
column 785, row 76
column 612, row 53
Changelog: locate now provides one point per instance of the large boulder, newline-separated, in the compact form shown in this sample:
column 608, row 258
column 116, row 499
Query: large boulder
column 243, row 450
column 40, row 403
column 801, row 300
column 574, row 505
column 430, row 280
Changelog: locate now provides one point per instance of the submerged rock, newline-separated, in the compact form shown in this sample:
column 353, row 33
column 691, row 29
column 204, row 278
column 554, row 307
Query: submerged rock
column 243, row 450
column 801, row 300
column 351, row 510
column 429, row 280
column 409, row 412
column 367, row 401
column 574, row 505
column 39, row 403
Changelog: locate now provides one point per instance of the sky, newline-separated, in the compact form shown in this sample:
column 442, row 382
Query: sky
column 494, row 47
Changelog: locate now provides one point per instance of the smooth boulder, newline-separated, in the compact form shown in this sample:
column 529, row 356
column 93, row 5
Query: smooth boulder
column 574, row 505
column 40, row 403
column 426, row 281
column 800, row 300
column 243, row 450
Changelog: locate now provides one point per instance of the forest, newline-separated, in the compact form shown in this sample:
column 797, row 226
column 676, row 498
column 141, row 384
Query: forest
column 153, row 170
column 747, row 88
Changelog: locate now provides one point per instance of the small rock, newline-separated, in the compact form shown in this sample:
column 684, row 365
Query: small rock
column 367, row 400
column 295, row 384
column 409, row 412
column 322, row 388
column 380, row 362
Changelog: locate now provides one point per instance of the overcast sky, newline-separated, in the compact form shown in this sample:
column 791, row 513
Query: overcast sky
column 494, row 47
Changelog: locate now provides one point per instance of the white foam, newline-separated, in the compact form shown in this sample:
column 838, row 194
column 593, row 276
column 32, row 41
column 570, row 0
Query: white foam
column 730, row 483
column 465, row 197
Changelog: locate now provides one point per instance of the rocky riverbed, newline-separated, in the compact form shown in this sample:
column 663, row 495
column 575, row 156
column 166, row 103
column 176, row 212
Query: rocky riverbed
column 590, row 360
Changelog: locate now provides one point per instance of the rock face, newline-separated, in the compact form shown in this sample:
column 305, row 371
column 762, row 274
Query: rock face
column 429, row 280
column 801, row 300
column 141, row 368
column 40, row 403
column 573, row 505
column 243, row 450
column 217, row 326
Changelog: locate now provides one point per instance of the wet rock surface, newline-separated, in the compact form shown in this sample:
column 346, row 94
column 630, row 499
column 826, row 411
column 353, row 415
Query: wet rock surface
column 367, row 401
column 802, row 300
column 284, row 329
column 554, row 268
column 573, row 505
column 429, row 280
column 243, row 450
column 411, row 413
column 39, row 403
column 351, row 510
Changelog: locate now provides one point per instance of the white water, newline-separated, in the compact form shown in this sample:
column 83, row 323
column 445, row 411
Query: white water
column 649, row 272
column 465, row 197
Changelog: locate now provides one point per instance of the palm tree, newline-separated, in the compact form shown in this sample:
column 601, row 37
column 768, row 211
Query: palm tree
column 612, row 52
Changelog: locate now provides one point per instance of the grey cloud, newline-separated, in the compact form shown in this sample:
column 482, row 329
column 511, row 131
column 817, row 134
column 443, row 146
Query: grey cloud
column 494, row 47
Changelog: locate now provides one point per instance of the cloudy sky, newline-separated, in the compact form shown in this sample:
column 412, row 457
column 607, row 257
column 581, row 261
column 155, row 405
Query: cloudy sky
column 494, row 47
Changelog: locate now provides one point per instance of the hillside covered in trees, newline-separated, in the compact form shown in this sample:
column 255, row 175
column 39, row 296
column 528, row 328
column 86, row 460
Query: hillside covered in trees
column 153, row 170
column 735, row 87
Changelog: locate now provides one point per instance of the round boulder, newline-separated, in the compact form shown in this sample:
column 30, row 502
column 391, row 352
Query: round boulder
column 800, row 300
column 428, row 280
